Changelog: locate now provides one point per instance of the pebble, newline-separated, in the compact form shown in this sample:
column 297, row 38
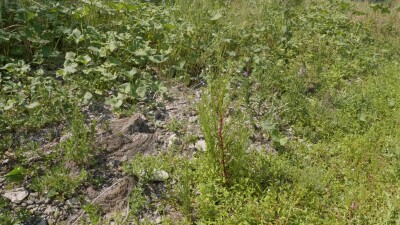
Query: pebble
column 72, row 201
column 193, row 119
column 30, row 202
column 16, row 195
column 124, row 158
column 201, row 145
column 160, row 176
column 173, row 140
column 158, row 114
column 43, row 222
column 50, row 210
column 158, row 220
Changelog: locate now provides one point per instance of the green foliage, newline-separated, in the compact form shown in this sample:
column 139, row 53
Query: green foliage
column 16, row 175
column 175, row 126
column 226, row 136
column 146, row 168
column 59, row 182
column 137, row 202
column 79, row 147
column 94, row 214
column 314, row 83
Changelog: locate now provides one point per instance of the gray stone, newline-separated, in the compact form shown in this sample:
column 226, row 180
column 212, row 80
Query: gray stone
column 57, row 213
column 160, row 175
column 43, row 222
column 16, row 195
column 158, row 220
column 30, row 202
column 51, row 221
column 65, row 137
column 193, row 119
column 72, row 201
column 50, row 210
column 124, row 158
column 173, row 140
column 158, row 115
column 201, row 145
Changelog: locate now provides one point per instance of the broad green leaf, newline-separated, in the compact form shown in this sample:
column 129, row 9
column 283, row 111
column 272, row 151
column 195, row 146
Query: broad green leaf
column 140, row 52
column 85, row 59
column 113, row 61
column 283, row 141
column 70, row 56
column 10, row 104
column 216, row 16
column 16, row 175
column 112, row 46
column 267, row 125
column 114, row 102
column 132, row 72
column 157, row 58
column 32, row 105
column 69, row 70
column 141, row 91
column 77, row 33
column 87, row 97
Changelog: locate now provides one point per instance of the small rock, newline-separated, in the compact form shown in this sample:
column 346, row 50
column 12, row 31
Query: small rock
column 51, row 221
column 47, row 201
column 160, row 176
column 173, row 140
column 73, row 201
column 42, row 222
column 30, row 202
column 34, row 209
column 158, row 220
column 65, row 137
column 123, row 158
column 158, row 114
column 24, row 204
column 16, row 195
column 201, row 145
column 193, row 119
column 50, row 210
column 57, row 213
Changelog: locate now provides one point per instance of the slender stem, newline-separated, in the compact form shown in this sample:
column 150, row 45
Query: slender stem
column 221, row 144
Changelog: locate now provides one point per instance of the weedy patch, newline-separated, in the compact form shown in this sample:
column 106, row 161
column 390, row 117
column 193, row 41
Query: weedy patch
column 299, row 111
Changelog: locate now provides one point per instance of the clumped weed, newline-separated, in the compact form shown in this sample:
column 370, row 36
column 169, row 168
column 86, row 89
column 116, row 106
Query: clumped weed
column 59, row 182
column 79, row 147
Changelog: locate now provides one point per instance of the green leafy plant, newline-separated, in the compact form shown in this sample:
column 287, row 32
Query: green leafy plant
column 79, row 147
column 59, row 182
column 225, row 136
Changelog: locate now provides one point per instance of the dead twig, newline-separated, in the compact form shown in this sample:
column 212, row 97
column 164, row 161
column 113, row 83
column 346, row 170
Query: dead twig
column 94, row 200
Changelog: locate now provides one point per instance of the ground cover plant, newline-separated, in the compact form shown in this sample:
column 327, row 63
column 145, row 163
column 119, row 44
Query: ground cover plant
column 290, row 113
